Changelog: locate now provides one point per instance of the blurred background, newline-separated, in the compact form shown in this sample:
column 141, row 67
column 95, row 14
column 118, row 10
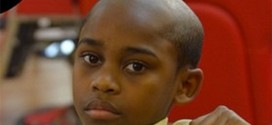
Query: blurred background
column 37, row 39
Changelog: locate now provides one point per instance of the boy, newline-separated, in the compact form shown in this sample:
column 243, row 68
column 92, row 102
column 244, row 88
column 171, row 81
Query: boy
column 134, row 59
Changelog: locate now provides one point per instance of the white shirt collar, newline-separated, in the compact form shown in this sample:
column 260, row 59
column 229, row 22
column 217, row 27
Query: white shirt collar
column 179, row 122
column 162, row 122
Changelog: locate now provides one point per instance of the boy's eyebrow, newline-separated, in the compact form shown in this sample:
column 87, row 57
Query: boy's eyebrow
column 140, row 50
column 93, row 42
column 90, row 41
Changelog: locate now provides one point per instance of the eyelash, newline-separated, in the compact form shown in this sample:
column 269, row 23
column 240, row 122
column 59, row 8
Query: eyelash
column 87, row 56
column 130, row 67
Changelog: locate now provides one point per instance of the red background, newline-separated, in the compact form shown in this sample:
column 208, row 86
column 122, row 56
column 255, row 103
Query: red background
column 237, row 54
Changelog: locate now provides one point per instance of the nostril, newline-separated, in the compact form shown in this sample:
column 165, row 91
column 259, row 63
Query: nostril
column 110, row 91
column 95, row 88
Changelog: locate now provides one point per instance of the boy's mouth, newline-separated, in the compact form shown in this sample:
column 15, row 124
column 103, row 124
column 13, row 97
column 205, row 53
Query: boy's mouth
column 101, row 110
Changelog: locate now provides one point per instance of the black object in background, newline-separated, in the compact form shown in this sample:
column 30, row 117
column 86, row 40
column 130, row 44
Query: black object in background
column 22, row 49
column 7, row 4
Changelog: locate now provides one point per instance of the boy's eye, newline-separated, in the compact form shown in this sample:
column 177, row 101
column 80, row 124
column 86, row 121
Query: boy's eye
column 91, row 59
column 135, row 67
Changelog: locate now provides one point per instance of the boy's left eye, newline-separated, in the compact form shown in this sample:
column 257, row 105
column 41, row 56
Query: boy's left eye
column 135, row 67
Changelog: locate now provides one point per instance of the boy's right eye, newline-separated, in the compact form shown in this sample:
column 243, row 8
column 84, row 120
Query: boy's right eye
column 91, row 59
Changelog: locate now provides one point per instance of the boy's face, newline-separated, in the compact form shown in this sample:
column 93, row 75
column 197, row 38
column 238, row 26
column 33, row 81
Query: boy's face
column 124, row 73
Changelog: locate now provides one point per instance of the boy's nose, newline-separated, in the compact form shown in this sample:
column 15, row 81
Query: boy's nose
column 105, row 84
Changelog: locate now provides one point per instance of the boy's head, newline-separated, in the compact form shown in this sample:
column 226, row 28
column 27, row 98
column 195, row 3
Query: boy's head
column 134, row 59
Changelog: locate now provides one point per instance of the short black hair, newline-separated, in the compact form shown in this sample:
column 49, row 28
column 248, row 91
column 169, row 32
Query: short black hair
column 187, row 35
column 188, row 41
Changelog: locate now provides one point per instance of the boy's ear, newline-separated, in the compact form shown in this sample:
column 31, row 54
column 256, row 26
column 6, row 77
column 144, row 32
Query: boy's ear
column 189, row 83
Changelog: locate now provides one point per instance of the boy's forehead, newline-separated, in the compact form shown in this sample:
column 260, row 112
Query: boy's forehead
column 146, row 14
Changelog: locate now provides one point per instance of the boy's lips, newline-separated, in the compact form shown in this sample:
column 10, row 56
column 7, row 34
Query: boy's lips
column 101, row 110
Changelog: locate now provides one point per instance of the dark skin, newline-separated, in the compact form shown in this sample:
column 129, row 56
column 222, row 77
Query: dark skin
column 122, row 76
